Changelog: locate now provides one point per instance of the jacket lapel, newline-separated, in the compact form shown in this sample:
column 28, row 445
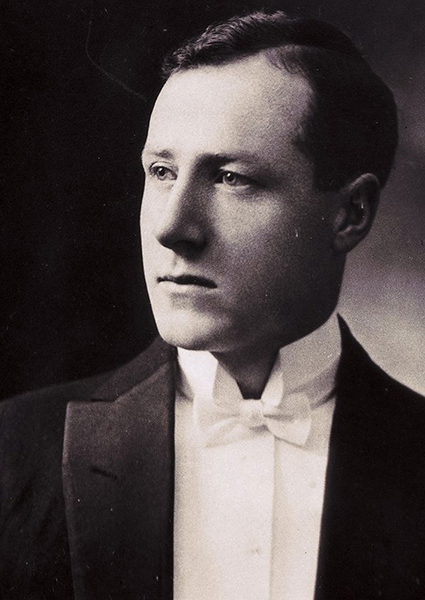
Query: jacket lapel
column 119, row 473
column 370, row 547
column 118, row 476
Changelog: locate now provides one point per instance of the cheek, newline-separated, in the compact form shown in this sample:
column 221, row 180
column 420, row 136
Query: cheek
column 250, row 225
column 278, row 254
column 146, row 241
column 257, row 261
column 147, row 220
column 144, row 238
column 145, row 211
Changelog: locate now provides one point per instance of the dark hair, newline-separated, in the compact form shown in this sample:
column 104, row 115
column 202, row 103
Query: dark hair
column 351, row 127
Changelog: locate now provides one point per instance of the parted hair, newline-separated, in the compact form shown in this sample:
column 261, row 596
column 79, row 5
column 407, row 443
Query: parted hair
column 351, row 124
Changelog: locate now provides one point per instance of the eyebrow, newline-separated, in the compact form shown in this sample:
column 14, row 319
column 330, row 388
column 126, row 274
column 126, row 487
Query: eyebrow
column 216, row 157
column 160, row 153
column 220, row 159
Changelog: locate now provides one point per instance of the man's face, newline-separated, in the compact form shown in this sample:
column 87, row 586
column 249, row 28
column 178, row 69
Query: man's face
column 237, row 243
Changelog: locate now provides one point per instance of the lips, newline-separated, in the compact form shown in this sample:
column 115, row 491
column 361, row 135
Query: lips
column 189, row 280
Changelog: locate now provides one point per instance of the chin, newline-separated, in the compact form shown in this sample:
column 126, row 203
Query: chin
column 189, row 332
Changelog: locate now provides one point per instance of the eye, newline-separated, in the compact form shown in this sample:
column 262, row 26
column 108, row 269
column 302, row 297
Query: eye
column 233, row 179
column 162, row 173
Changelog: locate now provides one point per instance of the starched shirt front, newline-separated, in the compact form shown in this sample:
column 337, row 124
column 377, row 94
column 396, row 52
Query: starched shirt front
column 248, row 504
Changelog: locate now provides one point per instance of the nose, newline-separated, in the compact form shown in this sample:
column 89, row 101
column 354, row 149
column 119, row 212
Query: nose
column 182, row 224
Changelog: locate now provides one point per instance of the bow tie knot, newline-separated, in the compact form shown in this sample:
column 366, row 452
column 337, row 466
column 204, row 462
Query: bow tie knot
column 288, row 418
column 251, row 413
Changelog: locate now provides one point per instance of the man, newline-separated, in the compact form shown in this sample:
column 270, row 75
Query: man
column 267, row 457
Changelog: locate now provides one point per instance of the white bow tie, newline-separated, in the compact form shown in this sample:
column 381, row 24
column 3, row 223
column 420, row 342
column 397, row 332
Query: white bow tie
column 227, row 417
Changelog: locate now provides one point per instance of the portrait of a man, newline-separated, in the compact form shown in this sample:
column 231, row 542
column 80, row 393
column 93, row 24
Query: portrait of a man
column 254, row 451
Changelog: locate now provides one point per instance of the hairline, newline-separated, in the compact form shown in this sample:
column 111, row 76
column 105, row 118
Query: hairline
column 309, row 112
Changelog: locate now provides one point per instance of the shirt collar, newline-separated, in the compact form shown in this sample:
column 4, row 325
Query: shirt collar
column 308, row 364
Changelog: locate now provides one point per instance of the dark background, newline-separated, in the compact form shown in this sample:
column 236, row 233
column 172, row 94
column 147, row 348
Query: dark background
column 77, row 81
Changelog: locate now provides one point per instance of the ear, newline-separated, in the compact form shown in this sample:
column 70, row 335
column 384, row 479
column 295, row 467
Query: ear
column 359, row 203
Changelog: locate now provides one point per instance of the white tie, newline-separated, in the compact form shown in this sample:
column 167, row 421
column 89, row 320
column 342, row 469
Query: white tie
column 226, row 416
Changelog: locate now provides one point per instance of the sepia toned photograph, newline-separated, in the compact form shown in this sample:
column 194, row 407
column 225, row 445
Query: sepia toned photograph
column 212, row 326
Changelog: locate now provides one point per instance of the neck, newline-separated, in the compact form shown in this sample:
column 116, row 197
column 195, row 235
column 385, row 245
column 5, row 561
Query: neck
column 251, row 367
column 251, row 372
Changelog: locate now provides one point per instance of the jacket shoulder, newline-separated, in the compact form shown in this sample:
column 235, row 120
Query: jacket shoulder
column 143, row 367
column 33, row 529
column 392, row 405
column 32, row 424
column 52, row 400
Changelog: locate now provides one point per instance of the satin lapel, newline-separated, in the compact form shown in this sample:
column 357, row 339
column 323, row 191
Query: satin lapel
column 118, row 483
column 370, row 547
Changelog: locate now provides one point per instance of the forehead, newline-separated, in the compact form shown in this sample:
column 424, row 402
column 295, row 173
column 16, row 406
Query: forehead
column 245, row 105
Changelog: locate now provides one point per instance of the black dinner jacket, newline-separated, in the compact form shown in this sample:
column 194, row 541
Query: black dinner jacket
column 95, row 520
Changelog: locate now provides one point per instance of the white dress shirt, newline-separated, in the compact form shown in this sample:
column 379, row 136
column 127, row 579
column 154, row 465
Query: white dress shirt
column 248, row 508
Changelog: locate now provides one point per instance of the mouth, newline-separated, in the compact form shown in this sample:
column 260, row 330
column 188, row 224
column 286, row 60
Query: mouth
column 189, row 280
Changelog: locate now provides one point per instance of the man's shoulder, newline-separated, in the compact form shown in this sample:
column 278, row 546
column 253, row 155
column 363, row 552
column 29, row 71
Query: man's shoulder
column 32, row 424
column 149, row 364
column 381, row 395
column 393, row 396
column 48, row 404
